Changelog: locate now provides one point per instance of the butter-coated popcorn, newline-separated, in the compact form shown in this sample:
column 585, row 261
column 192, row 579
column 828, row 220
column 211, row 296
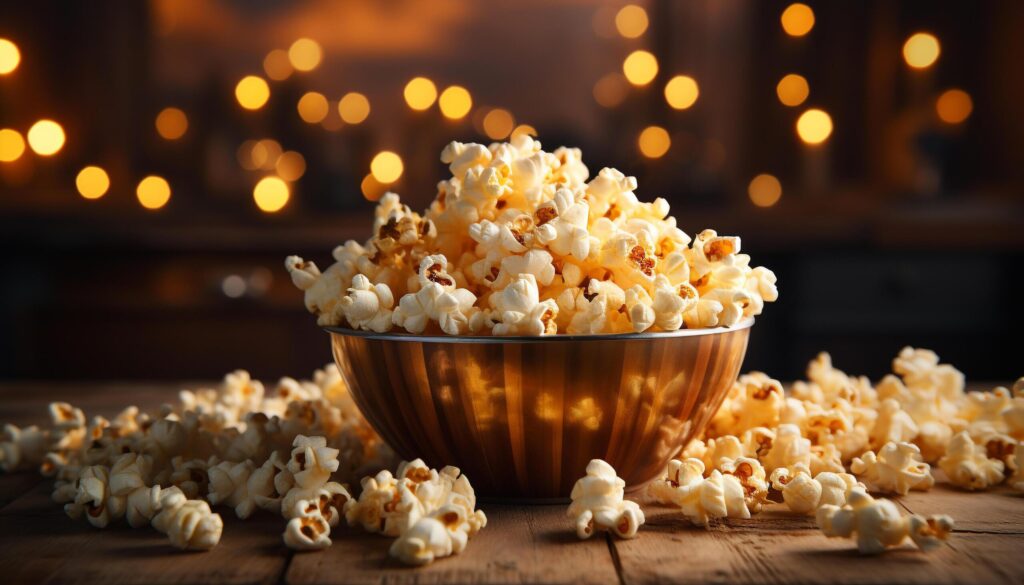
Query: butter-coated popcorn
column 385, row 505
column 698, row 498
column 878, row 524
column 312, row 461
column 789, row 449
column 968, row 466
column 512, row 209
column 521, row 312
column 189, row 524
column 1016, row 479
column 598, row 504
column 94, row 498
column 896, row 468
column 804, row 494
column 752, row 478
column 308, row 530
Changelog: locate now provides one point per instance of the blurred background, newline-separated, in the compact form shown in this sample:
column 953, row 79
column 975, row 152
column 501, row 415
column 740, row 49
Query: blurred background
column 159, row 159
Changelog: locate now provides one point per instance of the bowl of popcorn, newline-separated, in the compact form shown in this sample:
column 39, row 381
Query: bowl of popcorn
column 533, row 318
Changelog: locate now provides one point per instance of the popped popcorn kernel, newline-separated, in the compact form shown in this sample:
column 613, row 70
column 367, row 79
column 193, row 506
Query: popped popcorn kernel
column 968, row 466
column 598, row 504
column 878, row 524
column 896, row 468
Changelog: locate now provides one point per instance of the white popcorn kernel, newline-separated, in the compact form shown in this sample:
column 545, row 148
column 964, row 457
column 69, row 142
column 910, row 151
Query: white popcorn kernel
column 308, row 530
column 878, row 524
column 312, row 461
column 897, row 468
column 725, row 448
column 22, row 447
column 142, row 504
column 367, row 305
column 130, row 472
column 789, row 449
column 639, row 308
column 1016, row 480
column 229, row 486
column 751, row 476
column 562, row 225
column 385, row 505
column 598, row 504
column 442, row 533
column 700, row 499
column 893, row 425
column 190, row 524
column 520, row 310
column 672, row 303
column 967, row 465
column 804, row 494
column 826, row 457
column 323, row 291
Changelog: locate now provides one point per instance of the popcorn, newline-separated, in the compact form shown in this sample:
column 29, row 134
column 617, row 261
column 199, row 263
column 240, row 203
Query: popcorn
column 700, row 499
column 751, row 475
column 789, row 449
column 312, row 461
column 95, row 499
column 440, row 534
column 512, row 210
column 967, row 465
column 804, row 494
column 897, row 468
column 309, row 530
column 1016, row 480
column 878, row 524
column 229, row 486
column 189, row 524
column 386, row 506
column 22, row 448
column 142, row 504
column 598, row 504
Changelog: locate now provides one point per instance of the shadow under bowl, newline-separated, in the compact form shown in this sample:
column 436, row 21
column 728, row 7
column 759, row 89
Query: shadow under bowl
column 522, row 416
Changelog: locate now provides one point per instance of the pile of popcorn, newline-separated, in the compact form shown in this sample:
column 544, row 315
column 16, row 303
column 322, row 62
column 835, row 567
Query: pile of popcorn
column 519, row 242
column 243, row 447
column 823, row 447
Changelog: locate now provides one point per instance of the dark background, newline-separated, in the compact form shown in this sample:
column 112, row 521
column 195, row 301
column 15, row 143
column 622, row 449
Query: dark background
column 900, row 229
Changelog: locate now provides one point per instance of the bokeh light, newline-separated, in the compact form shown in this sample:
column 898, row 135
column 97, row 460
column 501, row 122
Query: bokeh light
column 764, row 190
column 524, row 129
column 921, row 50
column 305, row 54
column 793, row 90
column 954, row 106
column 611, row 90
column 313, row 107
column 153, row 192
column 265, row 153
column 631, row 21
column 420, row 93
column 277, row 66
column 92, row 182
column 814, row 126
column 455, row 102
column 171, row 123
column 46, row 137
column 654, row 142
column 386, row 167
column 797, row 19
column 372, row 188
column 233, row 286
column 12, row 145
column 353, row 107
column 681, row 92
column 290, row 166
column 498, row 124
column 252, row 92
column 640, row 67
column 271, row 194
column 10, row 56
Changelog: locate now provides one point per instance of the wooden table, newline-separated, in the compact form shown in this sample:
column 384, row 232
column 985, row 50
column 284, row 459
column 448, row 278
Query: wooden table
column 520, row 544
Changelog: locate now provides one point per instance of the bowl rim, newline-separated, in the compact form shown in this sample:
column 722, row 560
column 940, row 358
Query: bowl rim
column 560, row 338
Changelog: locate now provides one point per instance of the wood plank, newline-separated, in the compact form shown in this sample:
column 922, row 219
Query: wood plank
column 997, row 510
column 757, row 551
column 41, row 544
column 521, row 544
column 15, row 485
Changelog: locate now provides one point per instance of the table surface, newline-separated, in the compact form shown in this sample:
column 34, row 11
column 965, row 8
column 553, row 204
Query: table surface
column 521, row 544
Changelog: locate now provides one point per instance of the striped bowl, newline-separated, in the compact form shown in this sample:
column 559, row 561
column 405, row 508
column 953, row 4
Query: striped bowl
column 522, row 416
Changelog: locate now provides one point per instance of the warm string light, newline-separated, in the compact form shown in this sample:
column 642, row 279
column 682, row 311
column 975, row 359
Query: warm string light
column 12, row 145
column 498, row 124
column 252, row 92
column 46, row 137
column 372, row 188
column 171, row 123
column 631, row 21
column 792, row 90
column 797, row 19
column 954, row 106
column 455, row 102
column 153, row 192
column 681, row 92
column 654, row 142
column 420, row 93
column 764, row 190
column 814, row 126
column 611, row 90
column 386, row 167
column 290, row 166
column 921, row 50
column 271, row 194
column 305, row 54
column 10, row 56
column 277, row 66
column 640, row 67
column 313, row 107
column 353, row 108
column 92, row 182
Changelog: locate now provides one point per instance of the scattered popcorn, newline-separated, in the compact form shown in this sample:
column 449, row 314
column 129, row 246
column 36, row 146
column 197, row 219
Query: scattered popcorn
column 598, row 504
column 22, row 448
column 517, row 242
column 189, row 524
column 804, row 494
column 441, row 533
column 700, row 499
column 309, row 530
column 897, row 468
column 878, row 524
column 967, row 465
column 1016, row 480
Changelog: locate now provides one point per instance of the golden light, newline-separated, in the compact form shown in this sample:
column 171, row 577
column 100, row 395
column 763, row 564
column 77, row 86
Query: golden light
column 271, row 194
column 610, row 90
column 631, row 21
column 954, row 106
column 797, row 19
column 814, row 126
column 10, row 56
column 277, row 65
column 792, row 90
column 313, row 107
column 921, row 50
column 153, row 192
column 386, row 167
column 764, row 190
column 524, row 129
column 92, row 182
column 654, row 142
column 12, row 145
column 353, row 107
column 420, row 93
column 265, row 153
column 252, row 92
column 46, row 137
column 290, row 166
column 372, row 188
column 171, row 123
column 681, row 92
column 305, row 54
column 455, row 102
column 640, row 67
column 498, row 124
